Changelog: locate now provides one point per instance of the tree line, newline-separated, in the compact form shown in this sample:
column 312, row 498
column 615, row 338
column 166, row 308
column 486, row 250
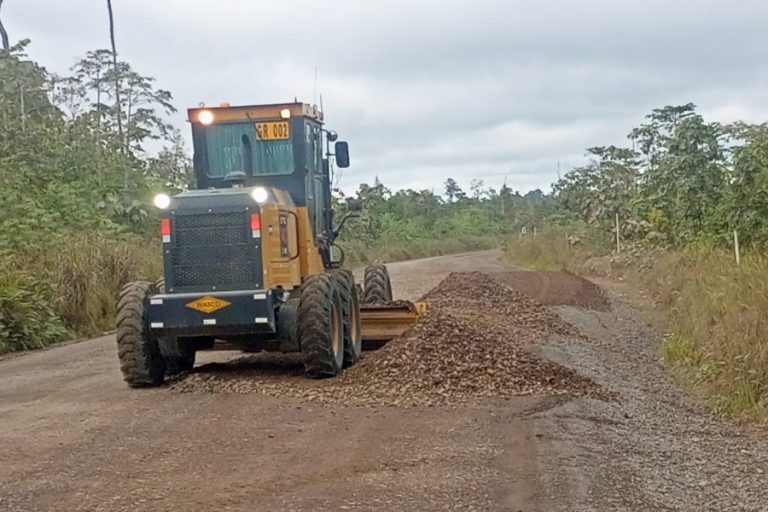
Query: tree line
column 680, row 179
column 66, row 162
column 406, row 215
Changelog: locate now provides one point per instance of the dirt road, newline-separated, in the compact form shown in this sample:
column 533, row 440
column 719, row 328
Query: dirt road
column 73, row 437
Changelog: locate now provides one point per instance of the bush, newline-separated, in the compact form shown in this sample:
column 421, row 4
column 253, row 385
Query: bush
column 27, row 318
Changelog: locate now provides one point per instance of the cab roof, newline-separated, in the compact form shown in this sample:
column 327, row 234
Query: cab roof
column 226, row 112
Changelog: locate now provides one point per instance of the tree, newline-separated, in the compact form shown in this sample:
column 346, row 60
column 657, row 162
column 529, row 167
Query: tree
column 4, row 34
column 172, row 167
column 476, row 186
column 90, row 73
column 452, row 189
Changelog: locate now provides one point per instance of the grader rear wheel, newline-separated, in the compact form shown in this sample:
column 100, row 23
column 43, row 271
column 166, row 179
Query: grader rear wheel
column 353, row 338
column 185, row 362
column 377, row 288
column 141, row 362
column 320, row 330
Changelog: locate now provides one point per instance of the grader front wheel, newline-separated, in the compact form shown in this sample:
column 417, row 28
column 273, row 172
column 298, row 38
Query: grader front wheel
column 377, row 289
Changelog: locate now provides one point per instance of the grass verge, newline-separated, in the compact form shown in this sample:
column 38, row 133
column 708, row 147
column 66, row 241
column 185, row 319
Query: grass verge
column 69, row 288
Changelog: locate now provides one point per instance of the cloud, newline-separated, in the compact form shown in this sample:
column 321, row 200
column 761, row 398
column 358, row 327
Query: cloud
column 428, row 89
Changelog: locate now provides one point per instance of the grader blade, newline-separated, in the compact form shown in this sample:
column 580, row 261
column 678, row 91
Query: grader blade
column 381, row 323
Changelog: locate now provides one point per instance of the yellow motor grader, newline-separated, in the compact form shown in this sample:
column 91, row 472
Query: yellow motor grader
column 250, row 255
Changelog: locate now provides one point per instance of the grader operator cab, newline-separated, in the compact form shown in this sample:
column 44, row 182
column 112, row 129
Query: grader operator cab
column 248, row 255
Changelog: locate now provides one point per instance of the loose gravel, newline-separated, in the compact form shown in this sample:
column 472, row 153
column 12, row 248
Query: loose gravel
column 654, row 449
column 469, row 345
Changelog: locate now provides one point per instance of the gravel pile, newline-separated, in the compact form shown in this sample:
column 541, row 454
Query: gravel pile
column 556, row 289
column 475, row 295
column 469, row 345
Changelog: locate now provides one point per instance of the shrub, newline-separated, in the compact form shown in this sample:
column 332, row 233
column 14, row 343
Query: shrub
column 27, row 318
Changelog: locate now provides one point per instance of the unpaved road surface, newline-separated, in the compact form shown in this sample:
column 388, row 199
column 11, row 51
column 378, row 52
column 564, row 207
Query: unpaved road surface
column 73, row 437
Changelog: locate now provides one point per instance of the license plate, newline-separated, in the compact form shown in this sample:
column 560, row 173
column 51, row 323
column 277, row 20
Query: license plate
column 273, row 130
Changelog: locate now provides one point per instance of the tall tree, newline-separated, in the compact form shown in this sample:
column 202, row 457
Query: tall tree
column 4, row 34
column 452, row 189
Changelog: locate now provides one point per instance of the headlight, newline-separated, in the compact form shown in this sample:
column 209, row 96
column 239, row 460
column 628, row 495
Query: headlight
column 162, row 201
column 260, row 194
column 205, row 117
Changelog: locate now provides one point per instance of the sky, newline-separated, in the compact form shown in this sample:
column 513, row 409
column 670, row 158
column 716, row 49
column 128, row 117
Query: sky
column 495, row 90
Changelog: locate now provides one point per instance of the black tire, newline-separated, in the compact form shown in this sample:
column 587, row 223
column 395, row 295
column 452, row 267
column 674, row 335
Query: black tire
column 141, row 362
column 176, row 365
column 377, row 288
column 350, row 303
column 320, row 327
column 185, row 363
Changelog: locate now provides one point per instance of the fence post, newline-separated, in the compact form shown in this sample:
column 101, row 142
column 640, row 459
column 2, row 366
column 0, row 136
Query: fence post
column 736, row 247
column 618, row 235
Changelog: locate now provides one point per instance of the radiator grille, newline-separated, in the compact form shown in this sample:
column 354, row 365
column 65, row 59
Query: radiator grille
column 212, row 249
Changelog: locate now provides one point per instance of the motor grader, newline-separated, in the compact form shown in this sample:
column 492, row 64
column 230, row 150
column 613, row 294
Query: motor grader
column 250, row 259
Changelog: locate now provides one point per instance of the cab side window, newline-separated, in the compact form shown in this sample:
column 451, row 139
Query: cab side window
column 313, row 141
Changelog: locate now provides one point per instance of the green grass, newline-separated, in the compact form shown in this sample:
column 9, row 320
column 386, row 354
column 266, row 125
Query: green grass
column 552, row 250
column 721, row 311
column 69, row 288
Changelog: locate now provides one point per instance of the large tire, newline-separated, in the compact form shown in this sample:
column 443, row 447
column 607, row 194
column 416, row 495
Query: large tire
column 185, row 363
column 377, row 288
column 350, row 303
column 141, row 362
column 320, row 327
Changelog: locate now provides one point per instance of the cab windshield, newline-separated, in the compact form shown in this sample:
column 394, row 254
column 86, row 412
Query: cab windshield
column 237, row 147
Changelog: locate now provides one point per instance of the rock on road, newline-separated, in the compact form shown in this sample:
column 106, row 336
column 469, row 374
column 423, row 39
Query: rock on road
column 74, row 437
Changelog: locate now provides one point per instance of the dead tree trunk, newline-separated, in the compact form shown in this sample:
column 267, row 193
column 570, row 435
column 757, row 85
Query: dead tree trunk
column 4, row 34
column 117, row 77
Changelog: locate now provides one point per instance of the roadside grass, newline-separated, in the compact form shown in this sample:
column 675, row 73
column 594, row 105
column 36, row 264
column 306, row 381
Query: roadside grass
column 553, row 250
column 89, row 281
column 68, row 288
column 718, row 314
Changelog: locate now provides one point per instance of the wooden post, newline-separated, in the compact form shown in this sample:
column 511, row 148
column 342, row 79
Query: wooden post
column 618, row 235
column 23, row 114
column 736, row 247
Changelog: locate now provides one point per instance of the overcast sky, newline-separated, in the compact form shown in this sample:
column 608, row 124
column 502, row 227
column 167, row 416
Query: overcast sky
column 424, row 90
